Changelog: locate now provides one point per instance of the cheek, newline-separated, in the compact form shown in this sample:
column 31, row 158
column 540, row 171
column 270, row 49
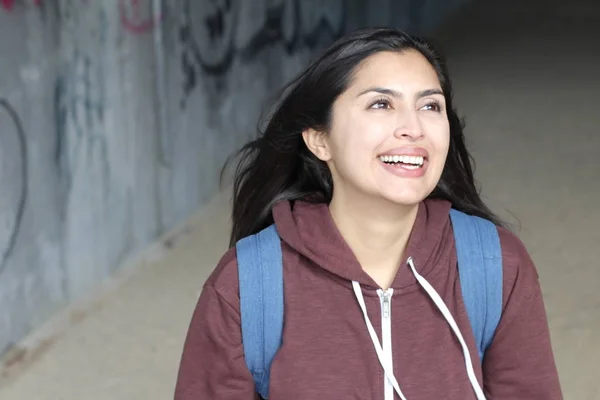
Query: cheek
column 356, row 142
column 369, row 136
column 441, row 139
column 444, row 145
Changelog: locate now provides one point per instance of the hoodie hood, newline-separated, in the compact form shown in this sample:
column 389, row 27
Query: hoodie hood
column 309, row 229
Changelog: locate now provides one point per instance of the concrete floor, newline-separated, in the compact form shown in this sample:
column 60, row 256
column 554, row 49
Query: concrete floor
column 526, row 78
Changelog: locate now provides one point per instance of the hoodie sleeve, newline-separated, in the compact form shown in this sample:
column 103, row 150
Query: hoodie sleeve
column 520, row 363
column 212, row 365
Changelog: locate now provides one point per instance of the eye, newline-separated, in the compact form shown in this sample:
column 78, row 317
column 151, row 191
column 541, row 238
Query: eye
column 432, row 106
column 380, row 104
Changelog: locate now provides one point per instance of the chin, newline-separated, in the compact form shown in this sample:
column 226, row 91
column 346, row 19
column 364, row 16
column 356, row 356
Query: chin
column 406, row 198
column 405, row 191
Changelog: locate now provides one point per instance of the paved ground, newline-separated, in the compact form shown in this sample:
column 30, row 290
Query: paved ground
column 526, row 77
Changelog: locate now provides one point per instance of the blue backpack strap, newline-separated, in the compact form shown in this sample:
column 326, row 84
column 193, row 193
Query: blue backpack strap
column 260, row 272
column 480, row 271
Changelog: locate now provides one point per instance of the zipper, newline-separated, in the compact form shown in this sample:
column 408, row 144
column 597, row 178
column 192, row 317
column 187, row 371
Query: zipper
column 386, row 336
column 384, row 353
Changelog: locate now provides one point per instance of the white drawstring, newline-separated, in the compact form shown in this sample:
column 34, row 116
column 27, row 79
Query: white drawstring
column 388, row 372
column 447, row 315
column 446, row 312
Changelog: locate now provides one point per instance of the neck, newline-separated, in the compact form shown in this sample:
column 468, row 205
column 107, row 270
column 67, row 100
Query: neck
column 377, row 231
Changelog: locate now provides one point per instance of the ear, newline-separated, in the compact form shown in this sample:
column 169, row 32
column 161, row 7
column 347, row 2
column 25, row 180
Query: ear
column 316, row 142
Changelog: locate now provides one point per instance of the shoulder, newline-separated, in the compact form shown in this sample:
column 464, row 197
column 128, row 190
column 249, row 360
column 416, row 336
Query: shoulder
column 519, row 271
column 224, row 278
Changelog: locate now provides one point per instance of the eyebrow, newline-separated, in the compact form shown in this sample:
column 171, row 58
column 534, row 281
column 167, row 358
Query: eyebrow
column 394, row 93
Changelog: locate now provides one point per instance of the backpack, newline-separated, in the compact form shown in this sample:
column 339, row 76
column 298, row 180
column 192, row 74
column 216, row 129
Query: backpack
column 260, row 271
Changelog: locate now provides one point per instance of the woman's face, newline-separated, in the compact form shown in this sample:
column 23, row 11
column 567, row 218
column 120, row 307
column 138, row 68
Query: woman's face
column 389, row 133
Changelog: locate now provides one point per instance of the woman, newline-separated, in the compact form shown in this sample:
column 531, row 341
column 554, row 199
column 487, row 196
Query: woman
column 358, row 169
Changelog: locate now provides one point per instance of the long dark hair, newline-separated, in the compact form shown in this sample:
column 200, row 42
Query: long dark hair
column 278, row 165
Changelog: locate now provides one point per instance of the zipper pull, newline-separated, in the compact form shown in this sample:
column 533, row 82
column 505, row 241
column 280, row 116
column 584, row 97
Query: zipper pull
column 386, row 305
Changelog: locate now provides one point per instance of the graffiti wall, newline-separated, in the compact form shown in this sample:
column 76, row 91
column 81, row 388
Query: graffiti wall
column 117, row 115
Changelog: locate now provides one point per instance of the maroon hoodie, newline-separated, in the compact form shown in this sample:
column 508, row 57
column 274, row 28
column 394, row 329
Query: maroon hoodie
column 327, row 352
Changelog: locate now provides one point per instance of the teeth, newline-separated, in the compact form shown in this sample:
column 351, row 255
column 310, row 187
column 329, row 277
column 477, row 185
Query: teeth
column 403, row 159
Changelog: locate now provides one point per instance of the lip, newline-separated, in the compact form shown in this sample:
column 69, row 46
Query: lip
column 407, row 151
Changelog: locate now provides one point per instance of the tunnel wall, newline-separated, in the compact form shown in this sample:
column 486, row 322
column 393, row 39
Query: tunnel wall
column 116, row 116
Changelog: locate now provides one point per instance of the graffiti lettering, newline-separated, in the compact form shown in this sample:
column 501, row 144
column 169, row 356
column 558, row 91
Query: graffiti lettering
column 228, row 26
column 8, row 5
column 79, row 113
column 136, row 17
column 13, row 179
column 225, row 29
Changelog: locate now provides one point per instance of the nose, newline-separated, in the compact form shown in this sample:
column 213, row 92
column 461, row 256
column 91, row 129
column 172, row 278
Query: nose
column 409, row 126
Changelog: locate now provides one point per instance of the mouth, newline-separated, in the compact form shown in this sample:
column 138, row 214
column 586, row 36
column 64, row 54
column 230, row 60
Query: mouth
column 406, row 162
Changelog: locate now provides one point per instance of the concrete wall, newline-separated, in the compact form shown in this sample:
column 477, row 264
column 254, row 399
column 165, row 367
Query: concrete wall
column 116, row 115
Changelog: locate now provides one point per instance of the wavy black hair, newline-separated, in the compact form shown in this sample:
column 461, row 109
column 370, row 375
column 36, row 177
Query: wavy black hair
column 278, row 165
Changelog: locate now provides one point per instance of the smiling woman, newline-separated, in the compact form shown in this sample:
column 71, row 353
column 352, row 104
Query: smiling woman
column 359, row 195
